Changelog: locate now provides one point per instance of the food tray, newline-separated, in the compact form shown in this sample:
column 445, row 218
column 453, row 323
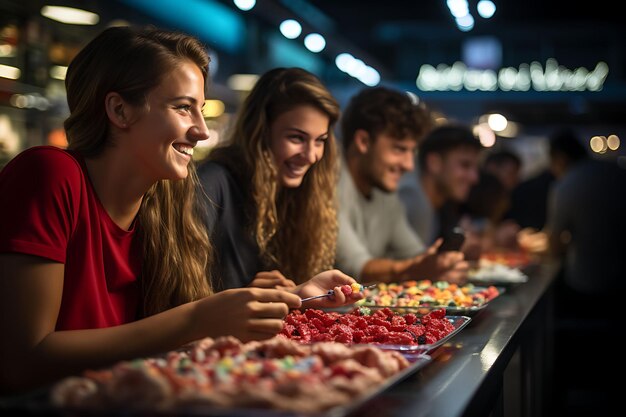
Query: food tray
column 431, row 304
column 418, row 361
column 37, row 403
column 514, row 259
column 459, row 322
column 496, row 274
column 423, row 310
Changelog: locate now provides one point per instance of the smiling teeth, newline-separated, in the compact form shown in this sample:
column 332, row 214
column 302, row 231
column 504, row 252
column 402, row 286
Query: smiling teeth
column 184, row 149
column 296, row 169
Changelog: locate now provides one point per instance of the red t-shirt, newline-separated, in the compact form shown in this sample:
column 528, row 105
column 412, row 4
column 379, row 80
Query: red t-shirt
column 50, row 210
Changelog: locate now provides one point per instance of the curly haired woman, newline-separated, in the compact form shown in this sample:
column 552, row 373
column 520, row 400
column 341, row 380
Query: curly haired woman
column 271, row 189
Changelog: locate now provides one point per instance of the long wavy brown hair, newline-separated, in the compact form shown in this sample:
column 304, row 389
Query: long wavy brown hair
column 131, row 62
column 295, row 228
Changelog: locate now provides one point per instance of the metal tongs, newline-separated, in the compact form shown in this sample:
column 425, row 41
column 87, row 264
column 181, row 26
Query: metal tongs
column 332, row 292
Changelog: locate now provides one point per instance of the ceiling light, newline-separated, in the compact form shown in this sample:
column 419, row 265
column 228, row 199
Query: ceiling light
column 458, row 7
column 343, row 61
column 58, row 72
column 598, row 144
column 465, row 23
column 486, row 136
column 245, row 5
column 370, row 77
column 290, row 29
column 497, row 122
column 213, row 108
column 7, row 50
column 486, row 8
column 314, row 42
column 70, row 15
column 242, row 82
column 613, row 142
column 7, row 71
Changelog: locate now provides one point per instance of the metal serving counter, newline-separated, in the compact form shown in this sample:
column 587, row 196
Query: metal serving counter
column 500, row 364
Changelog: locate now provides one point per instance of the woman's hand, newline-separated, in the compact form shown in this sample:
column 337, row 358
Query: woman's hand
column 271, row 279
column 246, row 313
column 324, row 281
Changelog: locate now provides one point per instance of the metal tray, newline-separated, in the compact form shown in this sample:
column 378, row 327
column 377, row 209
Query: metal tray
column 423, row 310
column 450, row 310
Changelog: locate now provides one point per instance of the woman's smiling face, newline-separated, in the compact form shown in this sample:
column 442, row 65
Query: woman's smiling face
column 297, row 140
column 167, row 129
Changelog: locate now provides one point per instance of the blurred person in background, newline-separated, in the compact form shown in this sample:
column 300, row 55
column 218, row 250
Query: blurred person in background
column 566, row 151
column 505, row 165
column 269, row 193
column 482, row 215
column 380, row 130
column 502, row 166
column 585, row 221
column 529, row 201
column 585, row 228
column 448, row 162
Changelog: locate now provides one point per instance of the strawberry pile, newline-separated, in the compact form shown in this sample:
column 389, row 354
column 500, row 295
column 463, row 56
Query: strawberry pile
column 381, row 327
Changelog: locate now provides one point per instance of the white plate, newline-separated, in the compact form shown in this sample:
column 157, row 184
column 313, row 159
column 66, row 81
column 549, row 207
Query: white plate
column 494, row 273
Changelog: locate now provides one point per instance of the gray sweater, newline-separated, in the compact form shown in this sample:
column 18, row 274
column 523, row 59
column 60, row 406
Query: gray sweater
column 371, row 228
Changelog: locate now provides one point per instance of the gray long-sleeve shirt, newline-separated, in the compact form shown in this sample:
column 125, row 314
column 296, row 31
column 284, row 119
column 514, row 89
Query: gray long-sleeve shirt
column 420, row 213
column 371, row 228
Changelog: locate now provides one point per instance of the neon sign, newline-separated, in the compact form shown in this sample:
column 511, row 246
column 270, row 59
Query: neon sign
column 552, row 77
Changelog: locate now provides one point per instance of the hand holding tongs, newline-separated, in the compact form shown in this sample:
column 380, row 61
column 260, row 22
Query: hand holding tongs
column 332, row 292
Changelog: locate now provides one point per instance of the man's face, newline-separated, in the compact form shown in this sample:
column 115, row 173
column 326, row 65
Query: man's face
column 455, row 172
column 387, row 159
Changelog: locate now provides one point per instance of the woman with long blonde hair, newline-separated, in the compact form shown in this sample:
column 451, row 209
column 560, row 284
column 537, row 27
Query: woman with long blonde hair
column 271, row 206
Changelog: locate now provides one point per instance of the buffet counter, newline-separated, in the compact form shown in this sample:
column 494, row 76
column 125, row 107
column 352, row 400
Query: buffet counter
column 500, row 364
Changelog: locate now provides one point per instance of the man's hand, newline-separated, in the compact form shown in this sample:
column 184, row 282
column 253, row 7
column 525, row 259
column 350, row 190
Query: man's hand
column 445, row 266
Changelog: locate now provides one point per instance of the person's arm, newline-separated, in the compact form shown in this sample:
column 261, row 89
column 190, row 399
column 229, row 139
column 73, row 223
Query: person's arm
column 354, row 258
column 387, row 270
column 32, row 353
column 446, row 266
column 557, row 220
